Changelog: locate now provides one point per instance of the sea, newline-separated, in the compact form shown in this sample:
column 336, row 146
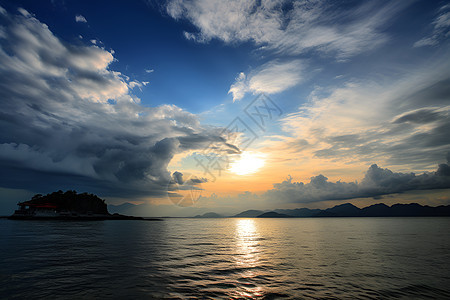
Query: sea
column 229, row 258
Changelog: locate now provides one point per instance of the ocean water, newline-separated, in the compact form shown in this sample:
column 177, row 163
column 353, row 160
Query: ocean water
column 329, row 258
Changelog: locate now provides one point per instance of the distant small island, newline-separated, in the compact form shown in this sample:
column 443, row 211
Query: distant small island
column 67, row 205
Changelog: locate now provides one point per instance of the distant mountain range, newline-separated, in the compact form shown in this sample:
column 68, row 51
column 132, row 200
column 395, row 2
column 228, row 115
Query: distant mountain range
column 343, row 210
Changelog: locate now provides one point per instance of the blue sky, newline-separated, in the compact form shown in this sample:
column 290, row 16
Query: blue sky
column 148, row 85
column 197, row 76
column 190, row 75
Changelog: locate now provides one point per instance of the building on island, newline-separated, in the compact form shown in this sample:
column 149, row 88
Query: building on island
column 62, row 204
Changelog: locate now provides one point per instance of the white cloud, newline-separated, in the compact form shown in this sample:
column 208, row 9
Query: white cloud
column 137, row 84
column 271, row 78
column 430, row 41
column 276, row 77
column 443, row 20
column 175, row 9
column 93, row 41
column 317, row 25
column 80, row 19
column 133, row 84
column 239, row 88
column 441, row 29
column 24, row 12
column 149, row 70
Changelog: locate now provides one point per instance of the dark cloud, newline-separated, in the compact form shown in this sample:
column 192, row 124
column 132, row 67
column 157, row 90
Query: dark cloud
column 422, row 116
column 178, row 177
column 433, row 94
column 189, row 182
column 443, row 170
column 376, row 183
column 69, row 122
column 196, row 181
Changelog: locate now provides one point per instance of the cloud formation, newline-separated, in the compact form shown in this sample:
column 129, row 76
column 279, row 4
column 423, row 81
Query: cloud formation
column 70, row 122
column 80, row 19
column 376, row 182
column 404, row 122
column 271, row 78
column 441, row 28
column 290, row 27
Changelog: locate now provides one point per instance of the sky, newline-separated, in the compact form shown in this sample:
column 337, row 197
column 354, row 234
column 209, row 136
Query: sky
column 186, row 107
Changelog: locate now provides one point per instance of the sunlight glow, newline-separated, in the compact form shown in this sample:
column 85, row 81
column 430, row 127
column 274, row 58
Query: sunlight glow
column 248, row 163
column 247, row 244
column 247, row 256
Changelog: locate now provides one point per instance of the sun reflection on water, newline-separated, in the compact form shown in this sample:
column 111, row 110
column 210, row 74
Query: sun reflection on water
column 248, row 256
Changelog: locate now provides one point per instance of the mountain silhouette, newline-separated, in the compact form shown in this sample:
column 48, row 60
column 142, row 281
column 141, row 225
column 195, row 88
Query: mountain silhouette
column 272, row 214
column 209, row 215
column 376, row 210
column 342, row 210
column 252, row 213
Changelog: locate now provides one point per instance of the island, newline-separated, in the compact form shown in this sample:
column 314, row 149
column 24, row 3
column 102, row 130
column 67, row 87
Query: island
column 67, row 205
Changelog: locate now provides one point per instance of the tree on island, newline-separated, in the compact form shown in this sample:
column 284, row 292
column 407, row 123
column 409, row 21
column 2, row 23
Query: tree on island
column 70, row 201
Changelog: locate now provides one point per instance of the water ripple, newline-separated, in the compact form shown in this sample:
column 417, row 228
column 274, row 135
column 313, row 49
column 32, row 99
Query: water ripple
column 226, row 259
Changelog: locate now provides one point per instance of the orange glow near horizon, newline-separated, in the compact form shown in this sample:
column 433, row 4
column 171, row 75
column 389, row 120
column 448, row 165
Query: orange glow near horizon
column 256, row 171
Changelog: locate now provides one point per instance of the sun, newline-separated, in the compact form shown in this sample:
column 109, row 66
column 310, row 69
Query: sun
column 248, row 163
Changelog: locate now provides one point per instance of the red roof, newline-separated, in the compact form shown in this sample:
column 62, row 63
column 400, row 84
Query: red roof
column 46, row 205
column 38, row 205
